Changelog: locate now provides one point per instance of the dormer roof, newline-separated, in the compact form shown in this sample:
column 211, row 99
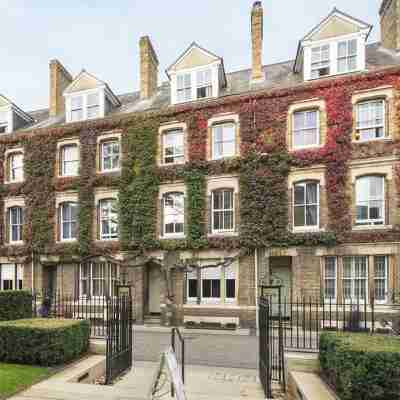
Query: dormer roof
column 195, row 56
column 5, row 102
column 86, row 81
column 336, row 24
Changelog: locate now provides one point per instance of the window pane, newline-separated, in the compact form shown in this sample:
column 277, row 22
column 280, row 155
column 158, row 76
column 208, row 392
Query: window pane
column 216, row 288
column 230, row 288
column 93, row 99
column 312, row 193
column 76, row 102
column 299, row 216
column 311, row 215
column 192, row 287
column 206, row 283
column 299, row 194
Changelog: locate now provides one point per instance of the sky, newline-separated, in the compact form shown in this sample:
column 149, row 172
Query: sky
column 102, row 36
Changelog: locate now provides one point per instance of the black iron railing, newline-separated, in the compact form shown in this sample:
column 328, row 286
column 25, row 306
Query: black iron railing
column 119, row 344
column 304, row 319
column 58, row 305
column 178, row 346
column 271, row 349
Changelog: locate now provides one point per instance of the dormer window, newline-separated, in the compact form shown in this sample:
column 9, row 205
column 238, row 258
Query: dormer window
column 347, row 56
column 320, row 61
column 12, row 117
column 335, row 46
column 88, row 98
column 197, row 74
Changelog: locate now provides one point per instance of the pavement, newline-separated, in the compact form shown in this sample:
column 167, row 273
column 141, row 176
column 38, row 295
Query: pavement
column 201, row 383
column 217, row 350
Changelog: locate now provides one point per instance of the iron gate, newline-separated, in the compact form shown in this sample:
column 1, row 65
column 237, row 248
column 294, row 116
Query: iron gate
column 119, row 336
column 271, row 346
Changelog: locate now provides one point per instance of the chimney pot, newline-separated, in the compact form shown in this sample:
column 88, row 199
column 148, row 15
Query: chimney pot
column 257, row 16
column 148, row 69
column 60, row 78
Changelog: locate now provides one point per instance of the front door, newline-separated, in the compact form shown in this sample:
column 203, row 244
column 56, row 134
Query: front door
column 281, row 274
column 154, row 289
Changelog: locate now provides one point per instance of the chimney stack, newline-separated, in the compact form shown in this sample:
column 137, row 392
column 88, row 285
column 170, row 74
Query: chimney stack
column 148, row 69
column 60, row 78
column 390, row 24
column 257, row 41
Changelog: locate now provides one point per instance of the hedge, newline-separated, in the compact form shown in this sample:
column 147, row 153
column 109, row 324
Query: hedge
column 43, row 341
column 361, row 367
column 15, row 304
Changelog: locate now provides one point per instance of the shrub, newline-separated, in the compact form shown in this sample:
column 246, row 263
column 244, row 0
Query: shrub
column 43, row 341
column 15, row 304
column 361, row 367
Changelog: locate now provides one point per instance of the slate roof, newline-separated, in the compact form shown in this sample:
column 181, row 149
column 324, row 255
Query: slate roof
column 278, row 76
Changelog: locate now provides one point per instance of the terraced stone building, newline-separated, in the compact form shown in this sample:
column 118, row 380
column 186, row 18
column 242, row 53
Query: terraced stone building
column 202, row 188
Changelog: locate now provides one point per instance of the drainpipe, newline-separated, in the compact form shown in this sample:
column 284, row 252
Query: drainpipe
column 32, row 273
column 256, row 285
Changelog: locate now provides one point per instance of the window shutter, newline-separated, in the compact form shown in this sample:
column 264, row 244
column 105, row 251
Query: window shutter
column 60, row 161
column 59, row 227
column 98, row 227
column 100, row 156
column 209, row 214
column 236, row 211
column 198, row 285
column 77, row 281
column 7, row 226
column 162, row 217
column 8, row 169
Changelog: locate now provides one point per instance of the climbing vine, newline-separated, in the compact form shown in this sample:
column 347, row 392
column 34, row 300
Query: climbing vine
column 262, row 170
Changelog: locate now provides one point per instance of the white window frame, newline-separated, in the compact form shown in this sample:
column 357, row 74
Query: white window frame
column 107, row 273
column 369, row 221
column 185, row 89
column 386, row 279
column 318, row 128
column 353, row 299
column 211, row 299
column 205, row 84
column 108, row 236
column 334, row 279
column 17, row 273
column 305, row 205
column 85, row 104
column 328, row 61
column 383, row 126
column 10, row 158
column 308, row 45
column 70, row 222
column 102, row 145
column 176, row 154
column 215, row 78
column 347, row 57
column 62, row 149
column 173, row 234
column 213, row 140
column 222, row 210
column 191, row 276
column 19, row 225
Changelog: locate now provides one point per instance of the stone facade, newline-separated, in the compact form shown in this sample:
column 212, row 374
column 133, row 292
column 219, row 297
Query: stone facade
column 60, row 78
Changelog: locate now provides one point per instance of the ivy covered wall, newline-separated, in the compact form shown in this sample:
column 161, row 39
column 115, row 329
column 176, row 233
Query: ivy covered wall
column 262, row 171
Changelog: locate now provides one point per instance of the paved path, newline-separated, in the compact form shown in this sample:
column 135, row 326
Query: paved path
column 201, row 383
column 233, row 351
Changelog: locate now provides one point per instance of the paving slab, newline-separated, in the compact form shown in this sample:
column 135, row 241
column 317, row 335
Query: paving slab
column 202, row 383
